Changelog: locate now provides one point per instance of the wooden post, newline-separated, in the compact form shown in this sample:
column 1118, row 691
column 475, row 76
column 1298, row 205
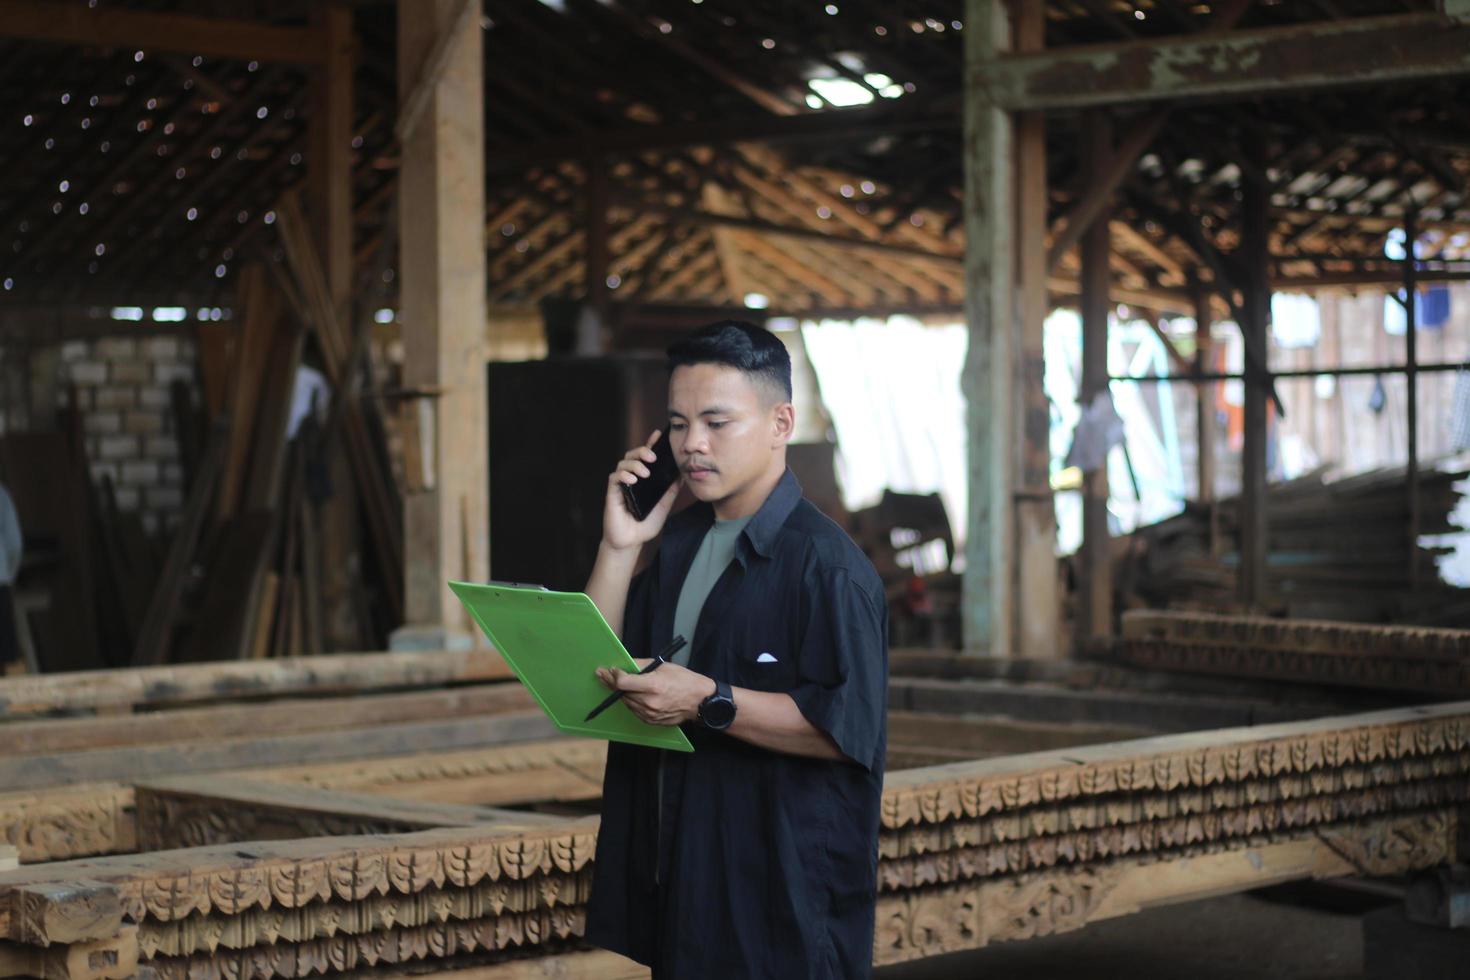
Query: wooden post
column 596, row 292
column 442, row 207
column 330, row 173
column 988, row 378
column 1411, row 378
column 1255, row 252
column 1037, row 614
column 1204, row 358
column 1096, row 588
column 1204, row 363
column 329, row 186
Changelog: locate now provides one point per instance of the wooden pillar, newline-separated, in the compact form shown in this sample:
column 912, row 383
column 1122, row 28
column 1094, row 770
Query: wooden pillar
column 329, row 173
column 1204, row 391
column 442, row 277
column 1037, row 618
column 1255, row 257
column 1411, row 378
column 1204, row 363
column 1095, row 603
column 990, row 362
column 329, row 186
column 597, row 248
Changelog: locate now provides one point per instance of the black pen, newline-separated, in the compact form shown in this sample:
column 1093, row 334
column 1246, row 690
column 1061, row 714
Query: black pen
column 655, row 664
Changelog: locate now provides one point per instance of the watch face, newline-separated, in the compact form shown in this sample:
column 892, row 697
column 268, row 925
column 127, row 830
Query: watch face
column 717, row 712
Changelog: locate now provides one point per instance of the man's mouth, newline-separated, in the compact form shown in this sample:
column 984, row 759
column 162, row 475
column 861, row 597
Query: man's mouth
column 698, row 472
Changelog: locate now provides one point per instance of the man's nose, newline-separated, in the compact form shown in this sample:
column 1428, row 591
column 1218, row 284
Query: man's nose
column 696, row 442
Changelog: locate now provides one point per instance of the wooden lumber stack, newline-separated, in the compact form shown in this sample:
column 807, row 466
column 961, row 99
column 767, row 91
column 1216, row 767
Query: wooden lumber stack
column 78, row 743
column 1336, row 550
column 353, row 419
column 1428, row 662
column 971, row 853
column 243, row 577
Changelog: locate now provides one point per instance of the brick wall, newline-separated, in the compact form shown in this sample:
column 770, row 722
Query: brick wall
column 123, row 392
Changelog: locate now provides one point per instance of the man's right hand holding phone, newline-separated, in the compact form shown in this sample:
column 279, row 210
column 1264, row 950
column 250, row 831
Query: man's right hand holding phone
column 620, row 529
column 623, row 535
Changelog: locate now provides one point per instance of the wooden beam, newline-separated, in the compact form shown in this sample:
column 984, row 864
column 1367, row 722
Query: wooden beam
column 281, row 717
column 267, row 749
column 970, row 853
column 1140, row 242
column 60, row 823
column 780, row 183
column 1225, row 15
column 1362, row 51
column 715, row 67
column 1038, row 612
column 113, row 690
column 988, row 378
column 196, row 811
column 1420, row 660
column 983, row 913
column 1411, row 394
column 1069, row 230
column 329, row 157
column 1204, row 361
column 595, row 260
column 718, row 200
column 524, row 277
column 1255, row 248
column 412, row 105
column 112, row 958
column 949, row 261
column 798, row 263
column 1160, row 300
column 110, row 27
column 1109, row 176
column 1182, row 363
column 596, row 965
column 836, row 124
column 59, row 913
column 1095, row 585
column 983, row 738
column 442, row 276
column 705, row 263
column 555, row 770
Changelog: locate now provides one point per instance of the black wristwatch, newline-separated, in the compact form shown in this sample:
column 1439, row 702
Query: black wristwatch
column 718, row 710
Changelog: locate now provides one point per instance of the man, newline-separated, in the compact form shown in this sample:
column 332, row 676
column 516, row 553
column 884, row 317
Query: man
column 755, row 856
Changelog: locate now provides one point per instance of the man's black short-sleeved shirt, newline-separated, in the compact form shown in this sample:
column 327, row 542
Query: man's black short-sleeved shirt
column 758, row 863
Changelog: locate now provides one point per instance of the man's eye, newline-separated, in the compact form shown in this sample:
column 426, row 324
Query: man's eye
column 717, row 425
column 676, row 426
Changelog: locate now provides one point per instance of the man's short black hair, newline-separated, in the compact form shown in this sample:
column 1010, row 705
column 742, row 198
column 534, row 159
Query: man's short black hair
column 739, row 345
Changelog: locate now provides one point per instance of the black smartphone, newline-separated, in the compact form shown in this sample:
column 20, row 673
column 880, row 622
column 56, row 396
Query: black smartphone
column 644, row 495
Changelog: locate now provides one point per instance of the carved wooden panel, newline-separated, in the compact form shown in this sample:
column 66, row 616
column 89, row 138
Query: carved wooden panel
column 972, row 853
column 69, row 823
column 933, row 920
column 1403, row 658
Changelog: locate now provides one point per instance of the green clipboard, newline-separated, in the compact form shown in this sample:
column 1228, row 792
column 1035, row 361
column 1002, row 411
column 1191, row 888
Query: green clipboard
column 555, row 641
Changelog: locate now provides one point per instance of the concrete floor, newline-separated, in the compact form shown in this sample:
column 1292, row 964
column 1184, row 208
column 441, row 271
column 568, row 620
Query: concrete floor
column 1235, row 937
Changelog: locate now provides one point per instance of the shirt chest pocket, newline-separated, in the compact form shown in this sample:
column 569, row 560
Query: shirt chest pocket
column 764, row 665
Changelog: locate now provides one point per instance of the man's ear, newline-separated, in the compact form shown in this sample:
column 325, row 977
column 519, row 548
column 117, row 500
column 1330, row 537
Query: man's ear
column 783, row 424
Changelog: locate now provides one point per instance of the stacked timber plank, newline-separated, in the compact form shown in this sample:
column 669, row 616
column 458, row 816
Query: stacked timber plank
column 255, row 507
column 67, row 784
column 970, row 854
column 1433, row 663
column 1336, row 550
